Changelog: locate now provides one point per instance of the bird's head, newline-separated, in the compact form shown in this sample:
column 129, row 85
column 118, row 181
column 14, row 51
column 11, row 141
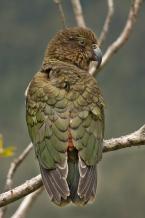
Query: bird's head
column 74, row 45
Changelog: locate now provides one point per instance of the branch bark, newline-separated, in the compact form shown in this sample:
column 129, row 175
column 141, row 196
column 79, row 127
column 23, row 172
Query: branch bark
column 125, row 34
column 27, row 204
column 15, row 164
column 78, row 12
column 136, row 138
column 60, row 8
column 122, row 38
column 13, row 167
column 107, row 22
column 20, row 191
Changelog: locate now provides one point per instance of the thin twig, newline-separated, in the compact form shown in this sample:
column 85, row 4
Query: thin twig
column 26, row 204
column 13, row 167
column 15, row 164
column 125, row 34
column 78, row 12
column 61, row 11
column 122, row 38
column 107, row 22
column 134, row 139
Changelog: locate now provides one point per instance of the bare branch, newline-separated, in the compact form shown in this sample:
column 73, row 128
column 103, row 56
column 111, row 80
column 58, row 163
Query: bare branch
column 107, row 22
column 60, row 8
column 20, row 191
column 15, row 164
column 77, row 8
column 122, row 38
column 93, row 68
column 136, row 138
column 125, row 34
column 13, row 167
column 27, row 204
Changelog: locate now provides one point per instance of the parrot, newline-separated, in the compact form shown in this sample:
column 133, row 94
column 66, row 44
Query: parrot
column 65, row 117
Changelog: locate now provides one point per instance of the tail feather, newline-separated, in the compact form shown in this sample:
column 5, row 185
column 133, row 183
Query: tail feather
column 82, row 180
column 56, row 185
column 76, row 184
column 90, row 190
column 87, row 182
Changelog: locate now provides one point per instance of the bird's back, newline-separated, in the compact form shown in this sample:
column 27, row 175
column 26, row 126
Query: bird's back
column 66, row 124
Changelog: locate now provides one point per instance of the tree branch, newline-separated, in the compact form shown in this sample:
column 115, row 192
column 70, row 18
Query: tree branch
column 13, row 167
column 20, row 191
column 125, row 34
column 78, row 12
column 107, row 22
column 15, row 164
column 60, row 8
column 134, row 139
column 122, row 38
column 27, row 204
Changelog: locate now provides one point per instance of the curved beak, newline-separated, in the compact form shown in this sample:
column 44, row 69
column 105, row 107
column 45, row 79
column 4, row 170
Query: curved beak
column 97, row 55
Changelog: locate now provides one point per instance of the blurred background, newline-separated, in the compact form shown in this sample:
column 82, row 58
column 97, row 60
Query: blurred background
column 25, row 29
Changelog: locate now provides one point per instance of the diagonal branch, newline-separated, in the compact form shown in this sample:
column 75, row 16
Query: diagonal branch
column 125, row 34
column 60, row 8
column 15, row 164
column 107, row 22
column 134, row 139
column 122, row 38
column 78, row 12
column 27, row 204
column 13, row 167
column 20, row 191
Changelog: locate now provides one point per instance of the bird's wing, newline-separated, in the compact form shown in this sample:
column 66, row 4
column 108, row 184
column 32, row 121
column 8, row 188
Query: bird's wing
column 87, row 132
column 48, row 132
column 87, row 129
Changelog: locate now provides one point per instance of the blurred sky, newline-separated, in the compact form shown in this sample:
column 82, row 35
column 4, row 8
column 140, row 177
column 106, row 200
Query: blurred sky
column 26, row 28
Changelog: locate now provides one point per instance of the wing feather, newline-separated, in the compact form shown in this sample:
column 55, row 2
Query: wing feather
column 48, row 132
column 87, row 129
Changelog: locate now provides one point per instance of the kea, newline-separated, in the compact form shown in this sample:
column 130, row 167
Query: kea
column 65, row 117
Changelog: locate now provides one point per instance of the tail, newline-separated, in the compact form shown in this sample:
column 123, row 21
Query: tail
column 87, row 183
column 77, row 184
column 56, row 185
column 82, row 180
column 73, row 175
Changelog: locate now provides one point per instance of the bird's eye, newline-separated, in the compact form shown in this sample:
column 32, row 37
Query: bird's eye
column 66, row 86
column 82, row 42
